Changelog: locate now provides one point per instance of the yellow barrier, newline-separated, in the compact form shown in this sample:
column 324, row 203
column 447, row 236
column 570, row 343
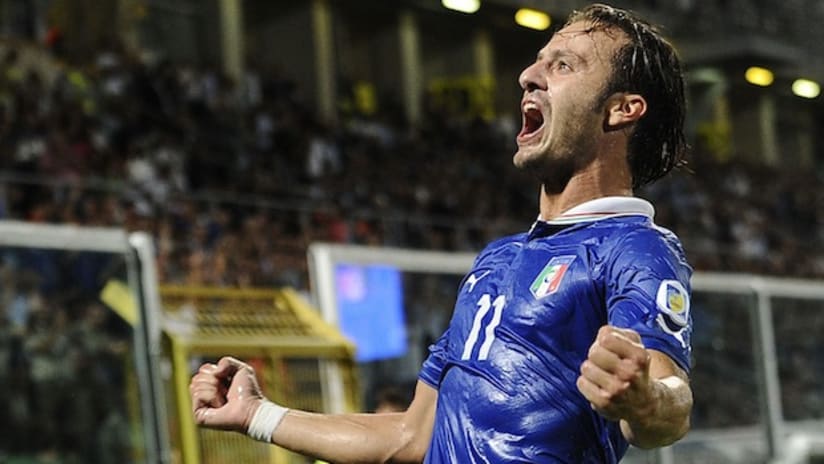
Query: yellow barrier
column 302, row 362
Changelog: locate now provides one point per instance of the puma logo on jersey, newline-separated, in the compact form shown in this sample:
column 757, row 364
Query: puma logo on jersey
column 472, row 280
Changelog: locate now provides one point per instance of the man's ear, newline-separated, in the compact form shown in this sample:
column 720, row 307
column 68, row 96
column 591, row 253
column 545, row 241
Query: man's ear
column 624, row 109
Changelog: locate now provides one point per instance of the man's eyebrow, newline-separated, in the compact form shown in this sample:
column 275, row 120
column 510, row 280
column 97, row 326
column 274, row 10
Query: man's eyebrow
column 588, row 30
column 558, row 53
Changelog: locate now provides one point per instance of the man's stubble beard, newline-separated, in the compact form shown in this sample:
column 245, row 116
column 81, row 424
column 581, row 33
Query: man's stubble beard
column 554, row 168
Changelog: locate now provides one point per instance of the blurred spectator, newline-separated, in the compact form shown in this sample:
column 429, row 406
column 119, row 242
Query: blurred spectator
column 393, row 398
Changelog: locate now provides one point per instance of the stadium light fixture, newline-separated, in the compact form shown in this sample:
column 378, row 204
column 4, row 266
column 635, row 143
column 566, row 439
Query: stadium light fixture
column 533, row 19
column 806, row 88
column 464, row 6
column 756, row 75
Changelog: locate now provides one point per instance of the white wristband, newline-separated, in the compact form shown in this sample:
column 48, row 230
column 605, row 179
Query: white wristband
column 265, row 421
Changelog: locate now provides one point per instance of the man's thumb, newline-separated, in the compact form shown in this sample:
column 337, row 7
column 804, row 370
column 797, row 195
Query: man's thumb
column 212, row 418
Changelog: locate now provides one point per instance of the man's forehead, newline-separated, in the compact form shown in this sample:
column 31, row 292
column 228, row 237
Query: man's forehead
column 583, row 36
column 577, row 28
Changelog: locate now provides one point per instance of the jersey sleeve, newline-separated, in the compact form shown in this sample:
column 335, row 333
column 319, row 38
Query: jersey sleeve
column 434, row 364
column 648, row 290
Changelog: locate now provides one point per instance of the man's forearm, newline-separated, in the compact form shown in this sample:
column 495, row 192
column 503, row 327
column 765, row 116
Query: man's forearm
column 226, row 396
column 350, row 438
column 666, row 420
column 356, row 438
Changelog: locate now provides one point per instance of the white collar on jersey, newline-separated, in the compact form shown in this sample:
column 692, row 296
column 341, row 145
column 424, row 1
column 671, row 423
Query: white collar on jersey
column 602, row 208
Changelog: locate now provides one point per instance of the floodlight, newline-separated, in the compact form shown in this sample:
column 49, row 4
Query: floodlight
column 464, row 6
column 806, row 88
column 756, row 75
column 532, row 19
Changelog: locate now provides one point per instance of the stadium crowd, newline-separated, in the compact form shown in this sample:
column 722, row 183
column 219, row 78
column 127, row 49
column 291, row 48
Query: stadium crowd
column 235, row 179
column 63, row 361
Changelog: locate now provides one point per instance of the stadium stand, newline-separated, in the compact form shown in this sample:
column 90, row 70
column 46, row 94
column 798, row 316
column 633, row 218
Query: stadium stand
column 194, row 158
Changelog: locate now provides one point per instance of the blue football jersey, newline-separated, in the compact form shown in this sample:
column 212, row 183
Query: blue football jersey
column 525, row 317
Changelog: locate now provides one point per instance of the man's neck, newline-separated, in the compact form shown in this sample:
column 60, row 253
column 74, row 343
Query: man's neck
column 595, row 182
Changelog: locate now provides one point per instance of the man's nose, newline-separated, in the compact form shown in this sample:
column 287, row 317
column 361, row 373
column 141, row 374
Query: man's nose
column 530, row 77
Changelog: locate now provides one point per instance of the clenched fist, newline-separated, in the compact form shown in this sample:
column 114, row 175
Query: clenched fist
column 615, row 376
column 225, row 395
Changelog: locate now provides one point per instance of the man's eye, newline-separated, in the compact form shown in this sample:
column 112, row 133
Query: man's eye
column 563, row 66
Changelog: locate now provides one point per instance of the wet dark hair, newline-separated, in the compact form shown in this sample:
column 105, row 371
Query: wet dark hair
column 649, row 66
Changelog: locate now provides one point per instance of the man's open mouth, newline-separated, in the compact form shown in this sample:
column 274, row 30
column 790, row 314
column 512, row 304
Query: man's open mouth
column 533, row 120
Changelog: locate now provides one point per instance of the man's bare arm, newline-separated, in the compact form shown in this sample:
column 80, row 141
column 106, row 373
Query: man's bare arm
column 387, row 437
column 226, row 396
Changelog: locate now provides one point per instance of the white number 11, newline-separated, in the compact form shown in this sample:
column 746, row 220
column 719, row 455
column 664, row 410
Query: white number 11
column 484, row 304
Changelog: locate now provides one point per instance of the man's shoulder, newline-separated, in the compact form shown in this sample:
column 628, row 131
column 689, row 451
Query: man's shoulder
column 646, row 245
column 514, row 241
column 653, row 236
column 634, row 231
